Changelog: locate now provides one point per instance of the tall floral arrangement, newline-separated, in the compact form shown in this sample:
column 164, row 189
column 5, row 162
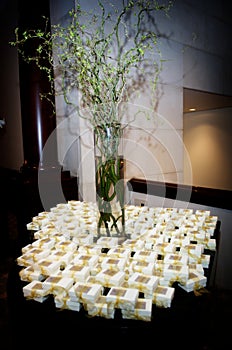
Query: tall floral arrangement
column 108, row 55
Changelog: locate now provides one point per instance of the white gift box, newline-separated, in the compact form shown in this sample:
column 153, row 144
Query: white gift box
column 159, row 268
column 145, row 255
column 177, row 259
column 142, row 310
column 163, row 296
column 107, row 242
column 193, row 250
column 77, row 272
column 66, row 246
column 176, row 241
column 165, row 282
column 196, row 235
column 144, row 283
column 210, row 244
column 113, row 262
column 178, row 273
column 62, row 256
column 28, row 274
column 100, row 308
column 145, row 267
column 47, row 267
column 70, row 231
column 74, row 204
column 133, row 244
column 58, row 284
column 34, row 290
column 195, row 281
column 204, row 260
column 31, row 256
column 64, row 302
column 84, row 292
column 92, row 249
column 40, row 220
column 110, row 277
column 94, row 270
column 202, row 212
column 44, row 243
column 32, row 226
column 119, row 252
column 81, row 239
column 122, row 298
column 91, row 279
column 60, row 301
column 194, row 267
column 86, row 259
column 165, row 247
column 208, row 230
column 26, row 248
column 211, row 219
column 23, row 260
column 185, row 211
column 73, row 305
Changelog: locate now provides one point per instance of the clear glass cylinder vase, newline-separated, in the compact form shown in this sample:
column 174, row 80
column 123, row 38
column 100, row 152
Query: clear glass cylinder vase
column 110, row 190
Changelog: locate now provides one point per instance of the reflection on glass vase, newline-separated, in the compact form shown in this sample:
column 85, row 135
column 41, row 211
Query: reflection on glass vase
column 108, row 142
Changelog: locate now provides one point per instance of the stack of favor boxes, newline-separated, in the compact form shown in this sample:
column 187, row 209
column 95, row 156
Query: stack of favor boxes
column 68, row 261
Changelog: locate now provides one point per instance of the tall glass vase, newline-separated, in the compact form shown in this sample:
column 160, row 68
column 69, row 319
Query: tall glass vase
column 109, row 180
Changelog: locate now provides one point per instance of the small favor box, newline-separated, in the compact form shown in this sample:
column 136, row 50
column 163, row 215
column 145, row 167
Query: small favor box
column 144, row 283
column 91, row 249
column 47, row 267
column 84, row 292
column 145, row 255
column 67, row 246
column 107, row 242
column 64, row 302
column 86, row 259
column 34, row 290
column 110, row 277
column 144, row 267
column 84, row 238
column 210, row 244
column 202, row 212
column 193, row 267
column 122, row 298
column 58, row 285
column 174, row 273
column 159, row 268
column 73, row 305
column 28, row 274
column 32, row 255
column 165, row 247
column 100, row 308
column 142, row 310
column 133, row 244
column 119, row 252
column 177, row 259
column 193, row 250
column 32, row 226
column 163, row 296
column 44, row 243
column 204, row 260
column 115, row 263
column 62, row 256
column 76, row 272
column 195, row 281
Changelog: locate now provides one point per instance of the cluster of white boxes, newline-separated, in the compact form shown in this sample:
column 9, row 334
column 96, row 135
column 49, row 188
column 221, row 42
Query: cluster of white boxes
column 68, row 261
